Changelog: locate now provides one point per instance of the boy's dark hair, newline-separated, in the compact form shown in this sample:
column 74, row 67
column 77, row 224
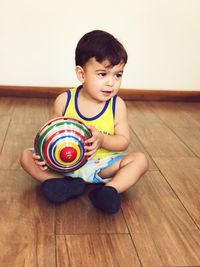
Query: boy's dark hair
column 102, row 46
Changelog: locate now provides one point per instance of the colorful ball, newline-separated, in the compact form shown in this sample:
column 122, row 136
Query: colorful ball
column 60, row 143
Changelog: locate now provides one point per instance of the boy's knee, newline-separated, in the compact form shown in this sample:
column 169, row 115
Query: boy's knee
column 143, row 161
column 138, row 158
column 24, row 158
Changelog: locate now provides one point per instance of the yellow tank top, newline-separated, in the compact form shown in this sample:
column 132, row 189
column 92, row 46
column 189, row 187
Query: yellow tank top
column 104, row 121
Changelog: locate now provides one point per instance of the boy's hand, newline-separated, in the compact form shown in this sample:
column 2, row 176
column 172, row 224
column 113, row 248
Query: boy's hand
column 93, row 143
column 39, row 163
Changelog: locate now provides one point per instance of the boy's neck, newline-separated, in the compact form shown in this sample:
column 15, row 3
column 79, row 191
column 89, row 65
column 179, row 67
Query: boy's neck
column 88, row 106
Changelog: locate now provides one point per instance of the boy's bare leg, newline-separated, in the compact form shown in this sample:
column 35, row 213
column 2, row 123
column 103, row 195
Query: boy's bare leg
column 28, row 164
column 126, row 172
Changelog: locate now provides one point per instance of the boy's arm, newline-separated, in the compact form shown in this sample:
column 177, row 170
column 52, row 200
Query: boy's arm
column 59, row 105
column 119, row 141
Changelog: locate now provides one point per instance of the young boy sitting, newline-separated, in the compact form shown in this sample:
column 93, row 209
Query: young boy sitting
column 100, row 60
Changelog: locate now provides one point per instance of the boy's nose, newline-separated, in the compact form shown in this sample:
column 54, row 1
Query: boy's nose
column 110, row 81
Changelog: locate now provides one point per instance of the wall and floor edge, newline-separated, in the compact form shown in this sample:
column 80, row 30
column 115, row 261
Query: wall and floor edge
column 126, row 94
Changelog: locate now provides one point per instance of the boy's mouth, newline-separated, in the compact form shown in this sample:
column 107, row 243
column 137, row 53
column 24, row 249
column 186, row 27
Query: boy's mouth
column 106, row 92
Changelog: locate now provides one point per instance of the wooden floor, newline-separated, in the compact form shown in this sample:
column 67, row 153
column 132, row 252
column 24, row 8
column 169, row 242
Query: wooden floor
column 159, row 221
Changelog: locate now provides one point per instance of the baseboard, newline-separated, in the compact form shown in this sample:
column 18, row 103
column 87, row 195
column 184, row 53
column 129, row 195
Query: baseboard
column 126, row 94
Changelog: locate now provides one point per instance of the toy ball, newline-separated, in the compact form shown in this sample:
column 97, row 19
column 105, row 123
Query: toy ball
column 60, row 143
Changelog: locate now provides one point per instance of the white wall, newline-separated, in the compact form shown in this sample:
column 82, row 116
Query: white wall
column 162, row 37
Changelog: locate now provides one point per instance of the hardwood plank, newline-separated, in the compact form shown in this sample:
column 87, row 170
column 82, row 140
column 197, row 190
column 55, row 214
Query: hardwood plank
column 157, row 139
column 78, row 216
column 23, row 206
column 7, row 105
column 174, row 115
column 96, row 250
column 136, row 146
column 160, row 141
column 32, row 111
column 151, row 129
column 135, row 113
column 4, row 124
column 26, row 222
column 38, row 253
column 28, row 117
column 141, row 112
column 18, row 138
column 46, row 255
column 183, row 174
column 191, row 108
column 163, row 232
column 190, row 136
column 161, row 212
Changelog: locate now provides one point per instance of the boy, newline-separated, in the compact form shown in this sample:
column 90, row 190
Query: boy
column 100, row 61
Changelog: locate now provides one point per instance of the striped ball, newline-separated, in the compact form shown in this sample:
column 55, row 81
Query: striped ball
column 60, row 143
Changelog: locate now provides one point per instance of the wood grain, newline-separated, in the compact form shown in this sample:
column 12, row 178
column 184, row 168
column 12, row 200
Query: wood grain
column 22, row 130
column 96, row 250
column 191, row 137
column 191, row 108
column 136, row 146
column 149, row 128
column 167, row 146
column 141, row 112
column 30, row 111
column 174, row 115
column 37, row 253
column 159, row 220
column 26, row 223
column 78, row 216
column 163, row 232
column 7, row 105
column 183, row 175
column 4, row 125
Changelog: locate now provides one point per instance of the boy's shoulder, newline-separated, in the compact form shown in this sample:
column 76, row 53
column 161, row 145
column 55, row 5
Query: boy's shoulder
column 64, row 95
column 120, row 101
column 61, row 97
column 120, row 106
column 60, row 103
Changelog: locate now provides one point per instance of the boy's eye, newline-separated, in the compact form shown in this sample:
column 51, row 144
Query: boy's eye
column 101, row 74
column 118, row 75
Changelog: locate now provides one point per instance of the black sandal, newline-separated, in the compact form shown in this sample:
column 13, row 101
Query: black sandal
column 59, row 190
column 105, row 198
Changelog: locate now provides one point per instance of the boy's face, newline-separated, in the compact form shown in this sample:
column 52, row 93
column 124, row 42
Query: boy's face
column 100, row 80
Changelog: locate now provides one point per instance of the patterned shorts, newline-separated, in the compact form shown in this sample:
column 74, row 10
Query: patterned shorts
column 89, row 171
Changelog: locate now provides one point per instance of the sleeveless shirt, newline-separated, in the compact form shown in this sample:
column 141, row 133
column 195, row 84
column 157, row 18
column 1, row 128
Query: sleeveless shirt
column 103, row 122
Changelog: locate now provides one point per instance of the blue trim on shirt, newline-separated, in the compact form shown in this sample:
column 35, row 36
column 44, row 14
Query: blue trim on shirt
column 79, row 113
column 114, row 105
column 68, row 92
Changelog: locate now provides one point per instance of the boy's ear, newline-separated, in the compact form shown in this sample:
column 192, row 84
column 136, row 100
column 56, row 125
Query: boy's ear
column 80, row 74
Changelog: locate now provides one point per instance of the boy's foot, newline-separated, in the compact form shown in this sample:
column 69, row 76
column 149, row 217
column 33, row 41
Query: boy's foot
column 105, row 198
column 58, row 190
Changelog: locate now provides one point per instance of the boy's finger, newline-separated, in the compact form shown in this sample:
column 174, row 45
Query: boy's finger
column 90, row 140
column 89, row 153
column 40, row 163
column 91, row 147
column 44, row 168
column 35, row 156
